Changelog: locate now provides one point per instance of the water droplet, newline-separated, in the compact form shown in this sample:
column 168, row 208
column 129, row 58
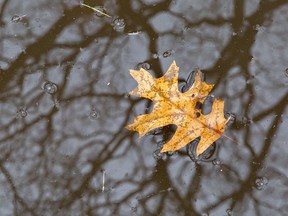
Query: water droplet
column 216, row 162
column 94, row 114
column 50, row 87
column 22, row 113
column 118, row 24
column 17, row 18
column 144, row 65
column 260, row 183
column 167, row 53
column 286, row 72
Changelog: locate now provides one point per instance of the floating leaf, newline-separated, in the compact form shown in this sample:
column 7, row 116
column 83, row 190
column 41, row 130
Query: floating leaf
column 174, row 107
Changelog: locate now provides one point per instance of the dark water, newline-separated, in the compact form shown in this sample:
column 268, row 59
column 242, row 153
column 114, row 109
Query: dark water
column 64, row 79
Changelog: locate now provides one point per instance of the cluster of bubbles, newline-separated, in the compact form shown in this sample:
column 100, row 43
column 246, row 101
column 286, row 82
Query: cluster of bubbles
column 246, row 121
column 260, row 183
column 22, row 113
column 118, row 24
column 259, row 28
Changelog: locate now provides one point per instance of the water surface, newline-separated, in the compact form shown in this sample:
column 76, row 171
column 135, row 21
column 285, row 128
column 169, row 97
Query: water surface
column 64, row 83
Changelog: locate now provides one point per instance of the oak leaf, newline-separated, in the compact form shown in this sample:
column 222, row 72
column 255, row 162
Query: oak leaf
column 174, row 107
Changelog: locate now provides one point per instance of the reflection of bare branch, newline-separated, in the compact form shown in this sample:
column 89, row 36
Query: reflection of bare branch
column 17, row 198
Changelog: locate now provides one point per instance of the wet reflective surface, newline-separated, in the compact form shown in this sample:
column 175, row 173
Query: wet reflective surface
column 64, row 83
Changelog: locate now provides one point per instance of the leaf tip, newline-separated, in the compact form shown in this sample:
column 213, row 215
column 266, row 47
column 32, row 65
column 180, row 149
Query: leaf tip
column 167, row 148
column 199, row 151
column 174, row 63
column 133, row 72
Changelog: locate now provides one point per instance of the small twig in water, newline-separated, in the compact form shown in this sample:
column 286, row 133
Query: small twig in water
column 103, row 179
column 95, row 9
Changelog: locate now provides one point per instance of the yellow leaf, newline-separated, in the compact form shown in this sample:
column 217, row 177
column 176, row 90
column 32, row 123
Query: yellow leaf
column 174, row 107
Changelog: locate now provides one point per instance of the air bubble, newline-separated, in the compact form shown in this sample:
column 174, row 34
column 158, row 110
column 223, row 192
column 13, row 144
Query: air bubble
column 118, row 24
column 22, row 113
column 50, row 87
column 144, row 65
column 94, row 114
column 167, row 53
column 229, row 212
column 260, row 183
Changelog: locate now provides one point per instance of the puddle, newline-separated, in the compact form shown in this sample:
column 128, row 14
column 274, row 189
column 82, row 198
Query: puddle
column 64, row 88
